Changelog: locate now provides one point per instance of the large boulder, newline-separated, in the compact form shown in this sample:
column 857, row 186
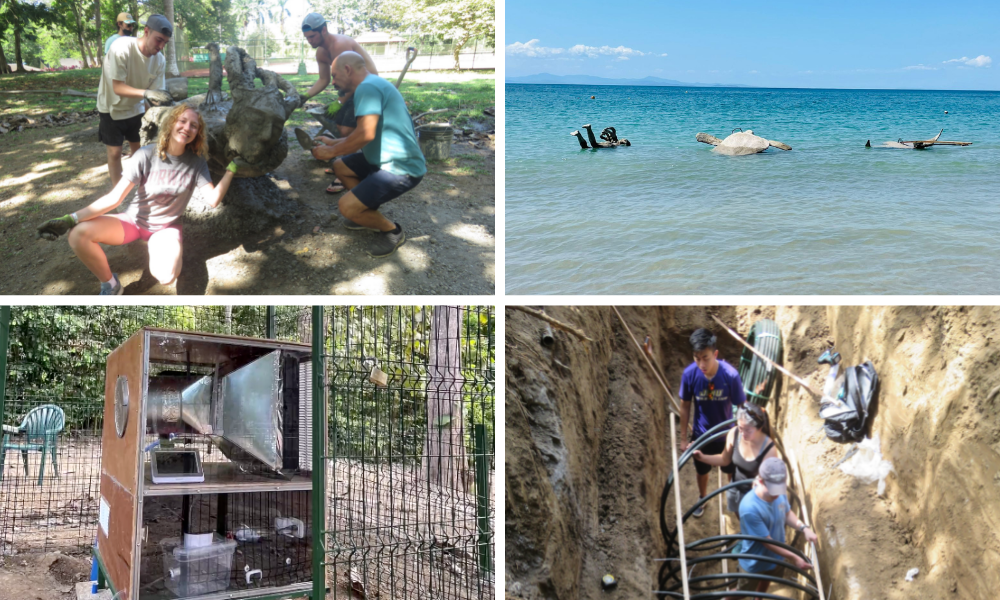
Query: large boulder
column 178, row 88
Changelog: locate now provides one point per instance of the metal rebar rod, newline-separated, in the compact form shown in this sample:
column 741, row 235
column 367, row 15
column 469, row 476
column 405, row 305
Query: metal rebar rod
column 794, row 377
column 666, row 388
column 814, row 553
column 677, row 503
column 722, row 520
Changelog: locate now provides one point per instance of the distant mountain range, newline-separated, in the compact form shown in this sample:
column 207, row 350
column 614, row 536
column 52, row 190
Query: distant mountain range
column 549, row 79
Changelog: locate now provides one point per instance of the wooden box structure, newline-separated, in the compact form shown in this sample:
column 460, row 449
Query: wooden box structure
column 245, row 406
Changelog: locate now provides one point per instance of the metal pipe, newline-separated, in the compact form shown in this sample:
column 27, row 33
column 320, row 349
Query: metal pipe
column 548, row 338
column 4, row 335
column 319, row 456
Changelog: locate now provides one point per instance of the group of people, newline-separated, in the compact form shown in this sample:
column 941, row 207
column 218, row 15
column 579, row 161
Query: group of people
column 376, row 159
column 710, row 388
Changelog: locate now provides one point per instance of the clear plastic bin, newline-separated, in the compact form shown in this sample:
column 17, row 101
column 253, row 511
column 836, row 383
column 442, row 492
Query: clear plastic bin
column 197, row 571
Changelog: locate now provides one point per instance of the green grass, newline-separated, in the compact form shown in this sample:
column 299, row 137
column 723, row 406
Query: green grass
column 466, row 93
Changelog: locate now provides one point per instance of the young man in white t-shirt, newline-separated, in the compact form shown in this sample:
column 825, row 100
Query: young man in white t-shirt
column 133, row 71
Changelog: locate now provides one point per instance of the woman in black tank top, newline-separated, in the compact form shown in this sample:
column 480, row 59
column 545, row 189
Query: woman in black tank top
column 747, row 445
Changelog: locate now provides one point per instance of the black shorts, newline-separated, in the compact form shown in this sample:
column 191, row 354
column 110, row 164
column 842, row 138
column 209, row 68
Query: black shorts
column 377, row 186
column 114, row 133
column 716, row 446
column 345, row 116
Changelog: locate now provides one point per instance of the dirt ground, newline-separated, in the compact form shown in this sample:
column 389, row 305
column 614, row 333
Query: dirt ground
column 393, row 527
column 49, row 576
column 448, row 219
column 587, row 455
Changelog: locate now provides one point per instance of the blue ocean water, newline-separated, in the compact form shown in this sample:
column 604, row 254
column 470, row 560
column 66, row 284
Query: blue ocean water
column 669, row 216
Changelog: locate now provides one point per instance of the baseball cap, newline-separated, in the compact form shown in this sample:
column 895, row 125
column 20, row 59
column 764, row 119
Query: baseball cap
column 313, row 22
column 125, row 18
column 775, row 475
column 160, row 24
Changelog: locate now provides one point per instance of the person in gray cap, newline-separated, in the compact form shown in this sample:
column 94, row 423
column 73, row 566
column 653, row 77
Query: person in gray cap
column 133, row 71
column 765, row 513
column 126, row 25
column 328, row 47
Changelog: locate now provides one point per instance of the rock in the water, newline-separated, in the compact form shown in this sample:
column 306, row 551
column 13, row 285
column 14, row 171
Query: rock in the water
column 743, row 142
column 178, row 88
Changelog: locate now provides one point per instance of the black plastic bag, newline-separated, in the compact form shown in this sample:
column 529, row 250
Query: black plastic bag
column 845, row 421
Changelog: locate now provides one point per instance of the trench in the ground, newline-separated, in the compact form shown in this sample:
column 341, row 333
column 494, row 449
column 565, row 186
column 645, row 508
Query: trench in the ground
column 587, row 448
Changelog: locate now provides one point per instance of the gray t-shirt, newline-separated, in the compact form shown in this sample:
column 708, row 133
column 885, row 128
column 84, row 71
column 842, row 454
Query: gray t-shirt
column 163, row 187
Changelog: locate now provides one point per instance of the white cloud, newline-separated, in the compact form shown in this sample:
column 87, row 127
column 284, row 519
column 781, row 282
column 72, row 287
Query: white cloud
column 754, row 72
column 980, row 61
column 919, row 68
column 532, row 49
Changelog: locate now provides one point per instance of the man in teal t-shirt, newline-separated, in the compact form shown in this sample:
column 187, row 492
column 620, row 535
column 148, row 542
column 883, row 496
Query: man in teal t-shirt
column 390, row 161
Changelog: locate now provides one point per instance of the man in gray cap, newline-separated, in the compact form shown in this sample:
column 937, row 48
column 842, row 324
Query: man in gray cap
column 133, row 71
column 765, row 513
column 328, row 47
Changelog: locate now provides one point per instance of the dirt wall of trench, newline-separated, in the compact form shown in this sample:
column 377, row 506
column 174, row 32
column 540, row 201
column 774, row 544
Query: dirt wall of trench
column 587, row 453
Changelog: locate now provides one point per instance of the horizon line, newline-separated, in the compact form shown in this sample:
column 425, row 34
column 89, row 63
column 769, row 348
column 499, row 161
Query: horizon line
column 732, row 85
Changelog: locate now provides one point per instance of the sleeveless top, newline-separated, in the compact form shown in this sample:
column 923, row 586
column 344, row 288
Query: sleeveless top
column 747, row 469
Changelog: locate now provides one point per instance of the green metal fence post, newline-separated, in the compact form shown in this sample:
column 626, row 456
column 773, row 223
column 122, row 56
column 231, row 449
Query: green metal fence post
column 319, row 457
column 270, row 327
column 483, row 499
column 4, row 333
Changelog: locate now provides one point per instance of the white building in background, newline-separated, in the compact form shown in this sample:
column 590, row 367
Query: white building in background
column 378, row 43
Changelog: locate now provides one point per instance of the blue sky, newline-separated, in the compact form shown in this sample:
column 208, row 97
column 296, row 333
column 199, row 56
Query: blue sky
column 808, row 43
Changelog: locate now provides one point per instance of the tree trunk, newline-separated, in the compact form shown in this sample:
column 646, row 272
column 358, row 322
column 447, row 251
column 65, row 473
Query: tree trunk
column 4, row 67
column 100, row 45
column 172, row 70
column 457, row 49
column 79, row 34
column 444, row 453
column 17, row 53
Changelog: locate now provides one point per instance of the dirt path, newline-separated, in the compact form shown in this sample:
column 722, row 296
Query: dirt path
column 448, row 218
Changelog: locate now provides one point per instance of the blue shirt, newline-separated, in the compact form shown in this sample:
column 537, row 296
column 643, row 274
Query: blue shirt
column 111, row 40
column 763, row 519
column 713, row 400
column 395, row 146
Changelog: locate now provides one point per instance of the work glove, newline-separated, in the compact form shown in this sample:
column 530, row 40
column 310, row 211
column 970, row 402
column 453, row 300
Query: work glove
column 236, row 164
column 53, row 228
column 158, row 97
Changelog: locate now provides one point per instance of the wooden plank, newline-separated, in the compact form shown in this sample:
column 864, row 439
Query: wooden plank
column 119, row 469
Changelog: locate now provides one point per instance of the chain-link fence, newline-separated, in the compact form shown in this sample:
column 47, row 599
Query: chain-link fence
column 283, row 55
column 411, row 459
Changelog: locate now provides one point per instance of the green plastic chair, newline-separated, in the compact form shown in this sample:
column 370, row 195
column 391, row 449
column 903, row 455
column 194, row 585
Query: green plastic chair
column 41, row 427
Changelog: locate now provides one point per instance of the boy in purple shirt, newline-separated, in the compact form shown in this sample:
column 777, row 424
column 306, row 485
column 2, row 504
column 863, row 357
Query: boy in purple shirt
column 713, row 386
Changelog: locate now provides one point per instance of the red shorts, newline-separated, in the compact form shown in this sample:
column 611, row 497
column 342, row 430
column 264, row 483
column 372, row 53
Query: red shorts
column 133, row 232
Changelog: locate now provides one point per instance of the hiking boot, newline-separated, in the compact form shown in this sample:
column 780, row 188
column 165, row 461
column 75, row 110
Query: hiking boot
column 386, row 242
column 349, row 224
column 305, row 141
column 108, row 290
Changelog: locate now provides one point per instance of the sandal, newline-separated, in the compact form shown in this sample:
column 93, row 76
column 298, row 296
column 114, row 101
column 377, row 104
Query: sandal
column 335, row 188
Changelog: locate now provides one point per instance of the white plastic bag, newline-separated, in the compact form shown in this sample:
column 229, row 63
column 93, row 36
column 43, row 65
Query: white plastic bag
column 867, row 464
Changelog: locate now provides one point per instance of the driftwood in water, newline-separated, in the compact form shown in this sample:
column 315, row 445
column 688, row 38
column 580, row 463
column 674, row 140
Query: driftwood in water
column 609, row 135
column 919, row 144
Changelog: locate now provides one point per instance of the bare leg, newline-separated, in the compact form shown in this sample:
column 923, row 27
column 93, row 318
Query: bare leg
column 353, row 209
column 165, row 255
column 114, row 165
column 590, row 135
column 85, row 240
